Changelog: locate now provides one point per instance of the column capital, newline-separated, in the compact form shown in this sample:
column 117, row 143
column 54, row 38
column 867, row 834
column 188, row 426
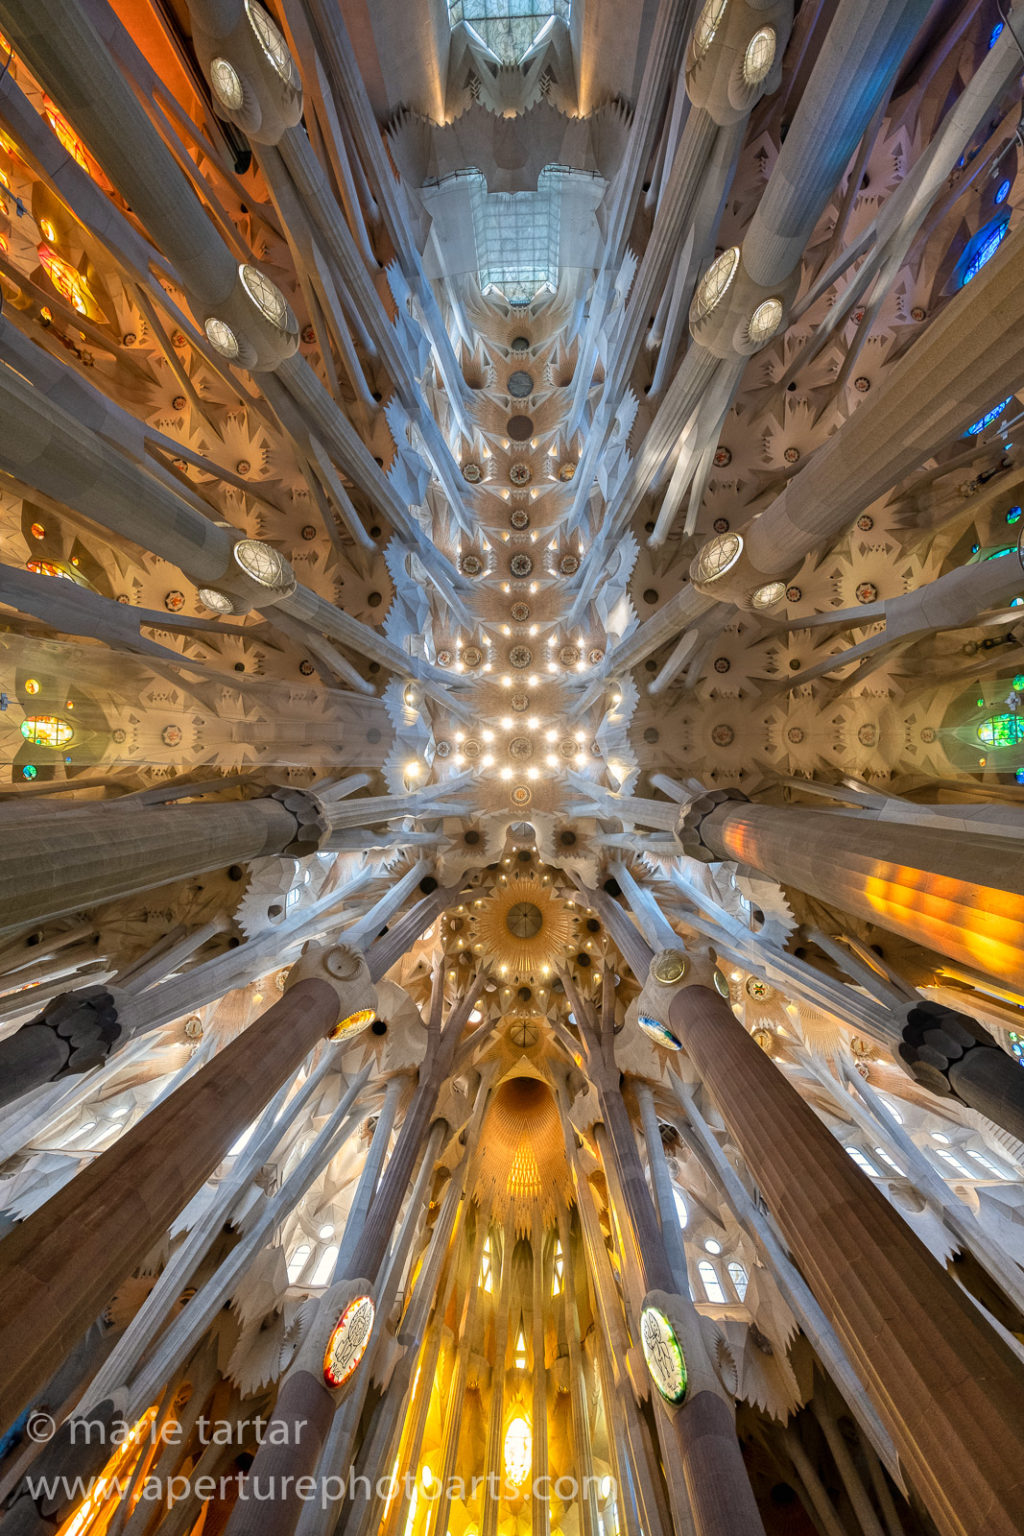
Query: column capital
column 312, row 824
column 691, row 823
column 935, row 1039
column 84, row 1026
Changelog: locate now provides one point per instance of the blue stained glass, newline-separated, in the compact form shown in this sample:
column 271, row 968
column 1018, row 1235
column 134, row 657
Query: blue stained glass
column 1002, row 191
column 997, row 554
column 1013, row 516
column 28, row 772
column 986, row 249
column 987, row 420
column 996, row 34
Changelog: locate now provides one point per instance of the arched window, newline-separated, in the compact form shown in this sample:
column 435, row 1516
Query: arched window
column 487, row 1267
column 710, row 1281
column 955, row 1164
column 558, row 1279
column 862, row 1162
column 880, row 1152
column 738, row 1276
column 520, row 1358
column 297, row 1262
column 681, row 1210
column 981, row 250
column 518, row 1451
column 325, row 1266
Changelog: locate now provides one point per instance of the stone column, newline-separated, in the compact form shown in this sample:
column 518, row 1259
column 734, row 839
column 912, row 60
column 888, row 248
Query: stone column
column 59, row 860
column 948, row 1389
column 960, row 895
column 60, row 1266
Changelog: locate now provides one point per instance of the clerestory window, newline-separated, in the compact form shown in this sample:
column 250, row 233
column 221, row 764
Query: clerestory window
column 508, row 29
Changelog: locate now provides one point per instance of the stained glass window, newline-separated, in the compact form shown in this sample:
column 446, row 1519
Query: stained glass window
column 985, row 246
column 518, row 1452
column 1002, row 191
column 1013, row 516
column 1017, row 1046
column 988, row 418
column 508, row 28
column 1002, row 730
column 47, row 568
column 46, row 731
column 65, row 278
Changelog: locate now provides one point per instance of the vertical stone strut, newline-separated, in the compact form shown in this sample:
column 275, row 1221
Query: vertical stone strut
column 948, row 1389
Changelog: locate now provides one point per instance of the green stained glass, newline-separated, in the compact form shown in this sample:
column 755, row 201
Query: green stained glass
column 1002, row 730
column 1018, row 682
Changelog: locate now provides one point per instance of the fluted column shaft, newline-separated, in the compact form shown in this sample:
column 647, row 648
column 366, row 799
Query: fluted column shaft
column 962, row 896
column 948, row 1389
column 967, row 361
column 60, row 1266
column 56, row 861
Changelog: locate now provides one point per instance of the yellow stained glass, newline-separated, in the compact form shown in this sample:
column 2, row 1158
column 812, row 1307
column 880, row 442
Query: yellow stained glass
column 46, row 731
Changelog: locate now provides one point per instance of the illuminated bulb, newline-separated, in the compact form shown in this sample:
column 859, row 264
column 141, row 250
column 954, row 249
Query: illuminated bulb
column 325, row 1232
column 507, row 722
column 488, row 666
column 460, row 735
column 487, row 761
column 413, row 769
column 581, row 666
column 533, row 722
column 487, row 735
column 533, row 773
column 506, row 682
column 533, row 586
column 551, row 760
column 533, row 629
column 580, row 736
column 552, row 666
column 532, row 680
column 505, row 629
column 580, row 759
column 550, row 735
column 506, row 773
column 458, row 759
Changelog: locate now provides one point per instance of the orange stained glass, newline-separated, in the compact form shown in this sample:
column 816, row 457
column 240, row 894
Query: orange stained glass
column 67, row 280
column 67, row 135
column 95, row 1512
column 47, row 568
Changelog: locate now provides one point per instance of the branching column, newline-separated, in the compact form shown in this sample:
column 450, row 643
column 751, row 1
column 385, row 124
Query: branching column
column 61, row 1265
column 959, row 894
column 949, row 1390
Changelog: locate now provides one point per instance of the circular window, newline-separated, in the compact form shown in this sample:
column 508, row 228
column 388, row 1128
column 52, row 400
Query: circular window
column 227, row 87
column 221, row 338
column 715, row 282
column 719, row 555
column 520, row 384
column 767, row 596
column 217, row 602
column 267, row 296
column 263, row 563
column 708, row 23
column 765, row 321
column 269, row 36
column 760, row 56
column 520, row 428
